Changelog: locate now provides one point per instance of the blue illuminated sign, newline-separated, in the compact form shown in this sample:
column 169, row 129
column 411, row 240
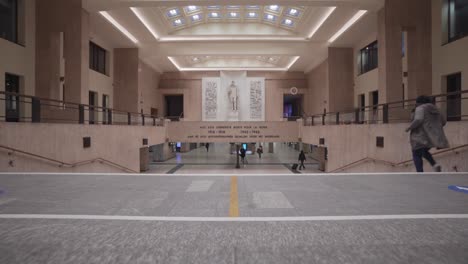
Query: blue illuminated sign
column 463, row 189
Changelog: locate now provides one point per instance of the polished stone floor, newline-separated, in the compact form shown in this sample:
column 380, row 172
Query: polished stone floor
column 116, row 218
column 218, row 160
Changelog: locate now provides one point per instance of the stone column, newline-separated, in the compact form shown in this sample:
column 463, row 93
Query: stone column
column 126, row 64
column 341, row 79
column 52, row 18
column 414, row 17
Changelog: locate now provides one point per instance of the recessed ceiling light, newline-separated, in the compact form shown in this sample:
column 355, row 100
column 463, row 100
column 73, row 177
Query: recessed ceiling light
column 288, row 21
column 274, row 7
column 293, row 11
column 348, row 24
column 214, row 14
column 195, row 59
column 252, row 14
column 191, row 8
column 173, row 12
column 178, row 22
column 271, row 59
column 196, row 17
column 233, row 14
column 270, row 17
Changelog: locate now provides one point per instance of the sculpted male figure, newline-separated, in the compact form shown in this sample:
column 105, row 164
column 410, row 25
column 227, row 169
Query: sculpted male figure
column 233, row 96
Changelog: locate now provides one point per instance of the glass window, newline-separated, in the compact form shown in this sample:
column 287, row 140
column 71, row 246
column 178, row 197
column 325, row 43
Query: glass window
column 9, row 20
column 368, row 58
column 457, row 19
column 97, row 58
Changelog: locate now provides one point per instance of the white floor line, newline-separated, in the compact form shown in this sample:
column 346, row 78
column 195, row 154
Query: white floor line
column 235, row 219
column 230, row 174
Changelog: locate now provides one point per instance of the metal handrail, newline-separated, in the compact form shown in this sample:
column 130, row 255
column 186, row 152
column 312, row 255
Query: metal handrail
column 390, row 105
column 66, row 164
column 65, row 103
column 367, row 159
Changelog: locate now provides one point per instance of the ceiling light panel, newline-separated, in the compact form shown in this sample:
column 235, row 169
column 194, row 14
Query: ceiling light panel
column 214, row 15
column 274, row 8
column 285, row 17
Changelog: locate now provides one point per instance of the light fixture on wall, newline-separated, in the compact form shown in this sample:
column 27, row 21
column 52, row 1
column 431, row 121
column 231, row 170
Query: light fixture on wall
column 348, row 24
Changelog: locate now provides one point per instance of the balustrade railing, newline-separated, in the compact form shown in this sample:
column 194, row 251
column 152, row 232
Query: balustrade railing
column 453, row 105
column 26, row 108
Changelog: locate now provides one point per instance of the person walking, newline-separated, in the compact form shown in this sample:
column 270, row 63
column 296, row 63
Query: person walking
column 207, row 146
column 302, row 158
column 242, row 154
column 427, row 131
column 260, row 152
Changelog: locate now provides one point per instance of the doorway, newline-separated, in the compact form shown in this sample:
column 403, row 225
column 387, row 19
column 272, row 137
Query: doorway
column 174, row 107
column 292, row 107
column 454, row 101
column 374, row 96
column 93, row 97
column 105, row 108
column 362, row 107
column 12, row 104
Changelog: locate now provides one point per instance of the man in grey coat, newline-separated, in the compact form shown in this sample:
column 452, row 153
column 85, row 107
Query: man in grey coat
column 427, row 131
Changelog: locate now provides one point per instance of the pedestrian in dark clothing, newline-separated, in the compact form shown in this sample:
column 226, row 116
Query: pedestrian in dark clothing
column 302, row 158
column 260, row 152
column 242, row 154
column 207, row 146
column 426, row 132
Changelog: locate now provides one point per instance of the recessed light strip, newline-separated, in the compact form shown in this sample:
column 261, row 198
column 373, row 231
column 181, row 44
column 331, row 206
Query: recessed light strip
column 175, row 63
column 233, row 68
column 348, row 24
column 292, row 62
column 234, row 38
column 322, row 21
column 144, row 22
column 118, row 26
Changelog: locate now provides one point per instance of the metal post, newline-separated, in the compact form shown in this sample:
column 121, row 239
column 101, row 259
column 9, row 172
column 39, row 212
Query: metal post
column 109, row 116
column 357, row 115
column 154, row 121
column 385, row 113
column 129, row 118
column 323, row 119
column 312, row 123
column 143, row 120
column 81, row 114
column 36, row 110
column 338, row 118
column 237, row 155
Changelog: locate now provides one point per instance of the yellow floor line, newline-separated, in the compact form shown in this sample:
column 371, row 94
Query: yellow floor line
column 234, row 201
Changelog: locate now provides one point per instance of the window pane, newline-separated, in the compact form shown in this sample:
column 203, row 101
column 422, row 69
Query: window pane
column 368, row 58
column 458, row 19
column 8, row 20
column 461, row 17
column 97, row 58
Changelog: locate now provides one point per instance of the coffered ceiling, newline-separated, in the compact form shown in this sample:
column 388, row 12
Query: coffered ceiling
column 254, row 35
